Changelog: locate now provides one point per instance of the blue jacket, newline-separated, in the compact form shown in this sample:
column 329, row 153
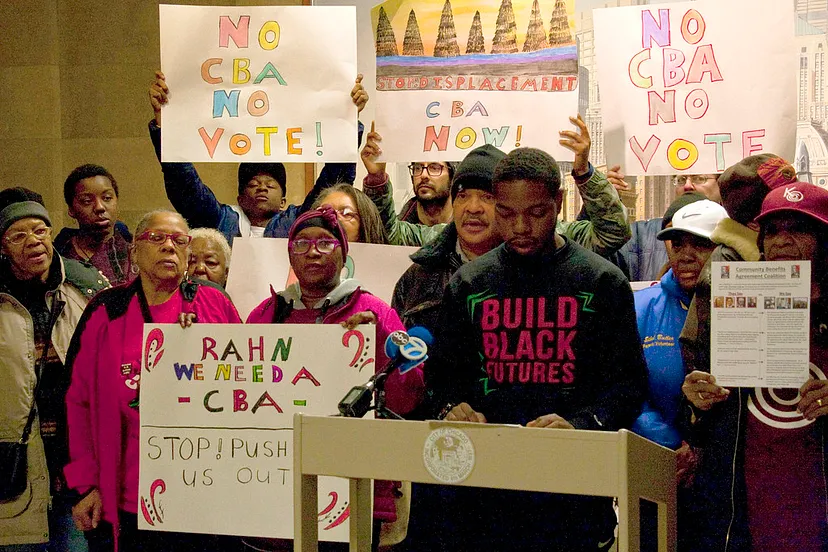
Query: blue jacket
column 199, row 206
column 642, row 258
column 660, row 311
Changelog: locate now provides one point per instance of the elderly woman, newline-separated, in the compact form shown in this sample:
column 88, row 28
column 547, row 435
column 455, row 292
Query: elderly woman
column 105, row 359
column 209, row 256
column 318, row 246
column 761, row 480
column 357, row 214
column 42, row 296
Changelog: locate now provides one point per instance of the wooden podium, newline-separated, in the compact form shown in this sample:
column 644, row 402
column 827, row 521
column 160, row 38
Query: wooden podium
column 599, row 463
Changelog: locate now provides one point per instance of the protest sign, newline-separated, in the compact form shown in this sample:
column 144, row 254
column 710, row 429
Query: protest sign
column 760, row 323
column 682, row 86
column 466, row 74
column 217, row 404
column 259, row 83
column 259, row 264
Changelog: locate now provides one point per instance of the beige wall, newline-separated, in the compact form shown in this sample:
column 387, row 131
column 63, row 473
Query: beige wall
column 74, row 76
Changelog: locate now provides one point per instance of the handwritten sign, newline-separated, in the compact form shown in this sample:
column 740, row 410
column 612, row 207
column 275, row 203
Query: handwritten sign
column 683, row 89
column 455, row 75
column 265, row 263
column 217, row 404
column 259, row 83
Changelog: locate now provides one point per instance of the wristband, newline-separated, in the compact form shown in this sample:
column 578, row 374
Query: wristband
column 445, row 411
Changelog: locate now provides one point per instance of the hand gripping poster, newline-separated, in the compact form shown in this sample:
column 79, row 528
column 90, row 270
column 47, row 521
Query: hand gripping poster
column 216, row 412
column 453, row 75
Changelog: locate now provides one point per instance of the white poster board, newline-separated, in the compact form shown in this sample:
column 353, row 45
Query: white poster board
column 452, row 76
column 682, row 84
column 259, row 83
column 217, row 404
column 260, row 263
column 760, row 321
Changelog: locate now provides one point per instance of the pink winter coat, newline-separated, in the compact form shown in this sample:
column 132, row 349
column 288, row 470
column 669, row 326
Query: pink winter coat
column 92, row 402
column 404, row 392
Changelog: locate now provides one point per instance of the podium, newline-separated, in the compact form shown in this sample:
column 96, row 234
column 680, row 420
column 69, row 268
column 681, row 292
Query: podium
column 599, row 463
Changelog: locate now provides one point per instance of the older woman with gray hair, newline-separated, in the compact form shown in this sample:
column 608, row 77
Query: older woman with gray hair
column 105, row 363
column 209, row 256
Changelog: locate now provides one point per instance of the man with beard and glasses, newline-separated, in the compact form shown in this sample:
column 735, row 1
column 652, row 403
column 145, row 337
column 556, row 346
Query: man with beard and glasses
column 431, row 203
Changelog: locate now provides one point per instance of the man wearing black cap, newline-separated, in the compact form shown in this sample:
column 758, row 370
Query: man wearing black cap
column 604, row 230
column 261, row 208
column 419, row 291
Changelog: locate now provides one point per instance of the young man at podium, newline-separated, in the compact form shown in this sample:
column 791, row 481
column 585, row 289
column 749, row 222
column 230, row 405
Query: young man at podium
column 538, row 332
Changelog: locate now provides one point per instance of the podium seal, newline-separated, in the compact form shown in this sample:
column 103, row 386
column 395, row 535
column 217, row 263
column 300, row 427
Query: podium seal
column 448, row 455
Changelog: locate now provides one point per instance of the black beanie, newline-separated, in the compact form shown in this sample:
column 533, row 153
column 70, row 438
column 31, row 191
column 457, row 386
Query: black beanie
column 248, row 171
column 476, row 170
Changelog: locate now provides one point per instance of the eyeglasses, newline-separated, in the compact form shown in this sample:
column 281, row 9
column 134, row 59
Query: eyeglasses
column 160, row 238
column 695, row 180
column 325, row 246
column 434, row 169
column 347, row 214
column 41, row 233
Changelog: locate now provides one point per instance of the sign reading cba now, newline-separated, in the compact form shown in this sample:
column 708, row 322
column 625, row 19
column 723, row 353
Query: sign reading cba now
column 259, row 83
column 217, row 404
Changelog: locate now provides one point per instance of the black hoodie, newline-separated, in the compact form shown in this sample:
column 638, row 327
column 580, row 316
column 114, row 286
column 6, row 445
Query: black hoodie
column 524, row 336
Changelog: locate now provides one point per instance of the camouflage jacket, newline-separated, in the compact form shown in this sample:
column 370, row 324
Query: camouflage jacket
column 604, row 230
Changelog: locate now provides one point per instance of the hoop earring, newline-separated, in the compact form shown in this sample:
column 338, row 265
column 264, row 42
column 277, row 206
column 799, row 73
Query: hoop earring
column 133, row 269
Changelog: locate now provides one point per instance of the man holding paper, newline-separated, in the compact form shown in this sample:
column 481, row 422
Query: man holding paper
column 761, row 482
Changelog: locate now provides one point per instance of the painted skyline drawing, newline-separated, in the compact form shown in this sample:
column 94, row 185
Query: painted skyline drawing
column 515, row 45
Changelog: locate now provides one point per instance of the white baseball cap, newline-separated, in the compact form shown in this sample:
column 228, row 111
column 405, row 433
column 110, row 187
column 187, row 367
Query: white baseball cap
column 699, row 218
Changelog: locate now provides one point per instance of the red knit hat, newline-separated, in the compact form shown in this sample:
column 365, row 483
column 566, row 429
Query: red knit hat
column 800, row 197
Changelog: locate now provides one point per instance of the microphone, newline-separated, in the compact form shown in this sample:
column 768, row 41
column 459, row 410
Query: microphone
column 405, row 350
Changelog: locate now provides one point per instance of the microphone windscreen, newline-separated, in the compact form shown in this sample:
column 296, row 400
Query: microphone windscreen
column 423, row 333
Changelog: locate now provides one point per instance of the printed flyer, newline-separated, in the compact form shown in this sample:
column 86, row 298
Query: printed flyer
column 760, row 317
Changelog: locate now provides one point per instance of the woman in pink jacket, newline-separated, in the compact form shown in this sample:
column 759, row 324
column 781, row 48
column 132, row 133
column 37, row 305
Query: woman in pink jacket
column 105, row 363
column 318, row 248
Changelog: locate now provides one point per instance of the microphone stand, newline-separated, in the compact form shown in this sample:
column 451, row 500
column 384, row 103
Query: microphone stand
column 379, row 399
